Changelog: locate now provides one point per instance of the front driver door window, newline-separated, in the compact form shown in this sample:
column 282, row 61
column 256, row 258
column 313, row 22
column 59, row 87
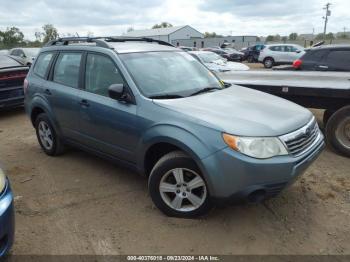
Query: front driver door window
column 106, row 125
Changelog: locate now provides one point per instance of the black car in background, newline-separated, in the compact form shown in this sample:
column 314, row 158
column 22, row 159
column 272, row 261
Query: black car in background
column 12, row 75
column 251, row 53
column 325, row 58
column 229, row 55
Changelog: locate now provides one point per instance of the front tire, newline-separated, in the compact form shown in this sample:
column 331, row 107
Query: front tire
column 47, row 136
column 178, row 188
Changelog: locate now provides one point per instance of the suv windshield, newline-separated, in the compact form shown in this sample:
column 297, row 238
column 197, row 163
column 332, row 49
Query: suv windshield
column 168, row 73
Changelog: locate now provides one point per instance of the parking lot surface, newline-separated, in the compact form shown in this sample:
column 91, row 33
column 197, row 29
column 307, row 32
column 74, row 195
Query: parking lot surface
column 80, row 204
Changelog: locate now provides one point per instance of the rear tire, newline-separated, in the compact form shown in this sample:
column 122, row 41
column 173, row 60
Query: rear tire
column 178, row 188
column 47, row 136
column 269, row 62
column 338, row 131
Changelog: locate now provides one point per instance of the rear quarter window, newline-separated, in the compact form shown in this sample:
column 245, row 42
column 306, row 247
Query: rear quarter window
column 42, row 64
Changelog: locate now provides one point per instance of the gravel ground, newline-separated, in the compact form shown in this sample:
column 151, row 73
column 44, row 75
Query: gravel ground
column 80, row 204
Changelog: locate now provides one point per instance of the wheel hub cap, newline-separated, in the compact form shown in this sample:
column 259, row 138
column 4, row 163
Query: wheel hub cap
column 45, row 135
column 183, row 189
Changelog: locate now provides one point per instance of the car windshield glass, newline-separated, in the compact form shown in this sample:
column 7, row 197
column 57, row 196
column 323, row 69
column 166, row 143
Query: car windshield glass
column 209, row 57
column 168, row 73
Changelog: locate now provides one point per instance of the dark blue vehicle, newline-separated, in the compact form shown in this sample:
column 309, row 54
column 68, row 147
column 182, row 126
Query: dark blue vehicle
column 251, row 53
column 7, row 217
column 158, row 110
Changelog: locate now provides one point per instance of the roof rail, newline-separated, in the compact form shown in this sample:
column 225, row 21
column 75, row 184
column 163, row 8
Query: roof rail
column 136, row 39
column 103, row 41
column 66, row 40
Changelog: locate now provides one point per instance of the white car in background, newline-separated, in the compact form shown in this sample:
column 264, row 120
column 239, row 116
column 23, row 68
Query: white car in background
column 217, row 63
column 25, row 56
column 280, row 54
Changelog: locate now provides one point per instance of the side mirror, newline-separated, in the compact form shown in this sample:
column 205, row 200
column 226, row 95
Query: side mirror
column 117, row 92
column 298, row 51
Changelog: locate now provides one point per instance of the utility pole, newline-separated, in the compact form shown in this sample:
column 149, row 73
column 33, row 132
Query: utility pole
column 328, row 13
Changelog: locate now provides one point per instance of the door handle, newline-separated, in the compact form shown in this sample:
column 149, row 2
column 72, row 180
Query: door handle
column 48, row 92
column 84, row 103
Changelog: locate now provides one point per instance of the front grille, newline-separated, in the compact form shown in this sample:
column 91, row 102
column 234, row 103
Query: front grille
column 301, row 140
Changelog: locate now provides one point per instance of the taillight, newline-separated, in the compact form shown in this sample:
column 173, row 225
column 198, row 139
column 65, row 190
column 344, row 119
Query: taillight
column 25, row 85
column 297, row 64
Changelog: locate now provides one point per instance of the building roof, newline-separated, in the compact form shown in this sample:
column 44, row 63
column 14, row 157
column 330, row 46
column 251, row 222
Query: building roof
column 154, row 32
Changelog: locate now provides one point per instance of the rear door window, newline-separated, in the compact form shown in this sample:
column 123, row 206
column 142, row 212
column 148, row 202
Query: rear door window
column 42, row 64
column 67, row 69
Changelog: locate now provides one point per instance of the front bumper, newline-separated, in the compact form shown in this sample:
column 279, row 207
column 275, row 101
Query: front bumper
column 231, row 175
column 7, row 220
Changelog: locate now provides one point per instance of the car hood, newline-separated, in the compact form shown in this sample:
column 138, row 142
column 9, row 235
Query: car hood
column 241, row 111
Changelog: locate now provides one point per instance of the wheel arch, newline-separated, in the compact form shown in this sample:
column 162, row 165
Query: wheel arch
column 38, row 106
column 157, row 142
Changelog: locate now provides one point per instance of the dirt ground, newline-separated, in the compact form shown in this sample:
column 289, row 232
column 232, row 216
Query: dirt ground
column 80, row 204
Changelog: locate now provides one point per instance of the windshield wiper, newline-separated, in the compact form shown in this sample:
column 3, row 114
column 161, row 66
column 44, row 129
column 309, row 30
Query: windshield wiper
column 205, row 90
column 165, row 96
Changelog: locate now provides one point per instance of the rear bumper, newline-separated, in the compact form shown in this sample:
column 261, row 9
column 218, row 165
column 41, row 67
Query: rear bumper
column 11, row 97
column 7, row 221
column 232, row 176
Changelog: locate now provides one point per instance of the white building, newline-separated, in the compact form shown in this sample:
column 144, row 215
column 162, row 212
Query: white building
column 232, row 41
column 168, row 34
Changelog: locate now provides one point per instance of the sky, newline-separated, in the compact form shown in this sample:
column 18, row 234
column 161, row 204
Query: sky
column 226, row 17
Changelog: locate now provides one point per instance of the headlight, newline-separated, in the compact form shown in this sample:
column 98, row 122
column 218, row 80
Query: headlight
column 2, row 181
column 257, row 147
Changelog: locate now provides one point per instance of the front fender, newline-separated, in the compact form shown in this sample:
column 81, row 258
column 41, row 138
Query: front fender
column 197, row 147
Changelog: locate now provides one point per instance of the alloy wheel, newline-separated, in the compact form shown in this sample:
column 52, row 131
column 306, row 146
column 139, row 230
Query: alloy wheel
column 183, row 189
column 45, row 135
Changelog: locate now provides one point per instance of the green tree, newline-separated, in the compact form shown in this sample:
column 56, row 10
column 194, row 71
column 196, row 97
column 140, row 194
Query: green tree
column 319, row 37
column 50, row 33
column 210, row 35
column 330, row 36
column 284, row 39
column 270, row 38
column 11, row 37
column 162, row 25
column 293, row 36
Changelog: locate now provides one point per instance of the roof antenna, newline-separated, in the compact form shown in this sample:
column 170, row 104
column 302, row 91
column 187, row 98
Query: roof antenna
column 77, row 34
